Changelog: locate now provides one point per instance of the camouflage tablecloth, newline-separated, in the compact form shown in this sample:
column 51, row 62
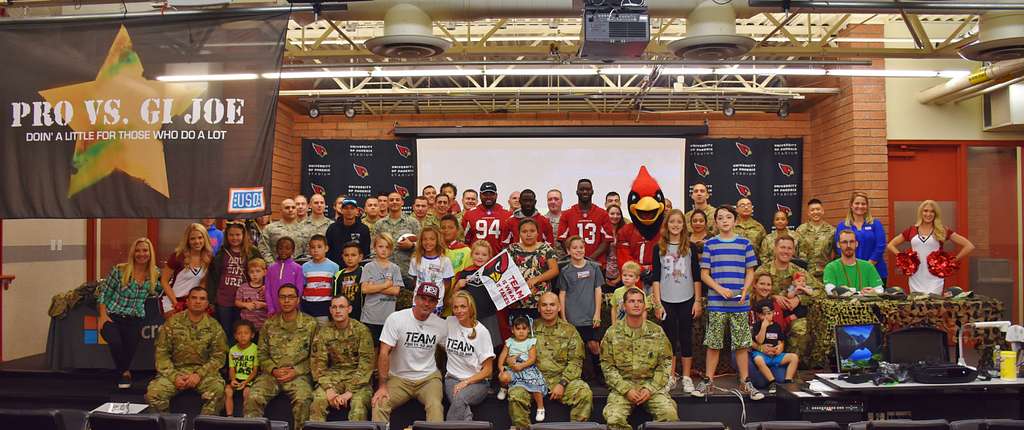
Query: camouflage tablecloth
column 944, row 314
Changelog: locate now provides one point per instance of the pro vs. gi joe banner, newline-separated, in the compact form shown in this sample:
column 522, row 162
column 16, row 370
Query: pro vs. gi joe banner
column 767, row 171
column 359, row 168
column 156, row 117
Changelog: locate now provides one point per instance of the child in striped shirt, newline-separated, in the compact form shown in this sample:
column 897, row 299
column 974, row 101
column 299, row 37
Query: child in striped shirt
column 727, row 268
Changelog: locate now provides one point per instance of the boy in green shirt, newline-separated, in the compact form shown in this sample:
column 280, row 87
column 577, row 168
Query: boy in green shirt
column 847, row 275
column 242, row 368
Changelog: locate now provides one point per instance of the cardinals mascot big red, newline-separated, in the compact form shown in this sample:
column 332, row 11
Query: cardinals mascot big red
column 646, row 207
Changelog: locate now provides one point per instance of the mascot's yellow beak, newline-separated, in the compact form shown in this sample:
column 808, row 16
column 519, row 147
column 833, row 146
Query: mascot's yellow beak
column 647, row 210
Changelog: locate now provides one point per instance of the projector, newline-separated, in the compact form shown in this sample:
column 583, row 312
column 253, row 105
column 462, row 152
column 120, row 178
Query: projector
column 615, row 32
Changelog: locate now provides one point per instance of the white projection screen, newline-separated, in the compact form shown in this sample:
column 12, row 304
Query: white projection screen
column 543, row 163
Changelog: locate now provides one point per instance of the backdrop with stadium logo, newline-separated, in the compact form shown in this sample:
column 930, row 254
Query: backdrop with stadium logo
column 767, row 171
column 359, row 168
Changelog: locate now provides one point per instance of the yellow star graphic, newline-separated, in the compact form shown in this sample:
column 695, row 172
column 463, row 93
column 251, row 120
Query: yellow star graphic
column 120, row 78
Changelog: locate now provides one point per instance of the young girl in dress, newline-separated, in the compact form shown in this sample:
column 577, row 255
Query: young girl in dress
column 520, row 358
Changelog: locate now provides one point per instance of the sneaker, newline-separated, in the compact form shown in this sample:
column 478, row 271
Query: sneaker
column 671, row 384
column 773, row 387
column 748, row 389
column 502, row 393
column 124, row 382
column 540, row 415
column 702, row 389
column 687, row 384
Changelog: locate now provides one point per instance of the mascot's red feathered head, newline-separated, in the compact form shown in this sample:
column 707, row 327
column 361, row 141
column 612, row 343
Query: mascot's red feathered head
column 646, row 204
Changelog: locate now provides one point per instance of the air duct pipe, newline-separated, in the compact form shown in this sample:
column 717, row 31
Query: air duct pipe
column 963, row 87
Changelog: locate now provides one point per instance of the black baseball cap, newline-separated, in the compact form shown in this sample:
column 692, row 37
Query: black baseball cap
column 488, row 187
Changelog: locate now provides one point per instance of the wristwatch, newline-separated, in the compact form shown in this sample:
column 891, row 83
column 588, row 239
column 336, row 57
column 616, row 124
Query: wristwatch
column 564, row 383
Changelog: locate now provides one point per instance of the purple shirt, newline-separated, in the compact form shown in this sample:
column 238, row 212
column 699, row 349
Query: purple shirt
column 278, row 274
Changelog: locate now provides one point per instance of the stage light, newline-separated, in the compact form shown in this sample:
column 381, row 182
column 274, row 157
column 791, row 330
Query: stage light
column 350, row 112
column 783, row 111
column 314, row 110
column 729, row 109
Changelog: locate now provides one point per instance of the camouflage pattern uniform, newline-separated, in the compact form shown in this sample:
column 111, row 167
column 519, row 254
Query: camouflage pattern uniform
column 559, row 358
column 429, row 220
column 298, row 231
column 636, row 359
column 798, row 341
column 317, row 227
column 767, row 251
column 342, row 359
column 407, row 224
column 710, row 212
column 371, row 225
column 184, row 347
column 816, row 246
column 752, row 231
column 284, row 344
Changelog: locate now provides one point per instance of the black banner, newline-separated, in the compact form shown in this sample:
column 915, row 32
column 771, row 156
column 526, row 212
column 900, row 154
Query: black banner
column 767, row 171
column 359, row 168
column 157, row 117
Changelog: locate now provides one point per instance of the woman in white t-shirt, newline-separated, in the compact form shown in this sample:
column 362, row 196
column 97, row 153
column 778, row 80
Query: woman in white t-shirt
column 470, row 359
column 926, row 236
column 186, row 268
column 429, row 263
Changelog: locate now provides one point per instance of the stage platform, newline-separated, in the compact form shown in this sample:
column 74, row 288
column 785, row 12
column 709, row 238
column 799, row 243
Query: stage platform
column 28, row 383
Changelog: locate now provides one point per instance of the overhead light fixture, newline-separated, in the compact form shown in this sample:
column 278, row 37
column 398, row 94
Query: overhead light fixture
column 687, row 71
column 549, row 71
column 766, row 72
column 203, row 78
column 783, row 111
column 318, row 74
column 625, row 70
column 350, row 112
column 729, row 109
column 314, row 110
column 381, row 73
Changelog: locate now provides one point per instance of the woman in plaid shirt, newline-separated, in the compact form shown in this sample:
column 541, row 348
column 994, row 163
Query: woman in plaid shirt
column 122, row 305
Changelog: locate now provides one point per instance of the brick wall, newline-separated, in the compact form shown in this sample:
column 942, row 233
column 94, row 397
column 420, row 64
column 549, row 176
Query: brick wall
column 287, row 162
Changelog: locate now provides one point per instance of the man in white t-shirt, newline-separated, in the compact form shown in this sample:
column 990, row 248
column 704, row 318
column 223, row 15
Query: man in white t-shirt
column 406, row 367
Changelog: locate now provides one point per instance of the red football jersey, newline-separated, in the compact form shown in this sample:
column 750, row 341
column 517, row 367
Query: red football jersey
column 483, row 224
column 630, row 245
column 593, row 226
column 510, row 230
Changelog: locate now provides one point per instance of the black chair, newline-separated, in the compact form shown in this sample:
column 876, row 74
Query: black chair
column 987, row 424
column 569, row 426
column 346, row 425
column 912, row 345
column 683, row 425
column 210, row 422
column 42, row 419
column 908, row 425
column 757, row 425
column 108, row 421
column 795, row 425
column 451, row 425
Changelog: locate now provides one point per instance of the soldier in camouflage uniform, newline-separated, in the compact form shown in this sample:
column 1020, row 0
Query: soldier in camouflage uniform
column 780, row 227
column 287, row 226
column 285, row 341
column 318, row 221
column 190, row 350
column 816, row 240
column 700, row 195
column 397, row 224
column 342, row 362
column 782, row 271
column 560, row 360
column 747, row 226
column 636, row 359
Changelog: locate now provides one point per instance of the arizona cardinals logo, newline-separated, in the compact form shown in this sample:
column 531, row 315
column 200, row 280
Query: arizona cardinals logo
column 744, row 149
column 702, row 170
column 360, row 170
column 784, row 208
column 496, row 267
column 320, row 150
column 318, row 189
column 786, row 169
column 402, row 190
column 743, row 190
column 404, row 151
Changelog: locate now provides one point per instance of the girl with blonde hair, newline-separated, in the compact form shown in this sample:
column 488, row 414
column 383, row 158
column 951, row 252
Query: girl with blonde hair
column 122, row 305
column 928, row 235
column 186, row 267
column 869, row 232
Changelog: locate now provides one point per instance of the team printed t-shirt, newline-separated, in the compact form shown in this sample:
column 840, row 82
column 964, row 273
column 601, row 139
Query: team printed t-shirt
column 413, row 342
column 593, row 226
column 377, row 306
column 434, row 270
column 485, row 224
column 728, row 261
column 243, row 360
column 319, row 280
column 579, row 284
column 346, row 283
column 466, row 356
column 772, row 335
